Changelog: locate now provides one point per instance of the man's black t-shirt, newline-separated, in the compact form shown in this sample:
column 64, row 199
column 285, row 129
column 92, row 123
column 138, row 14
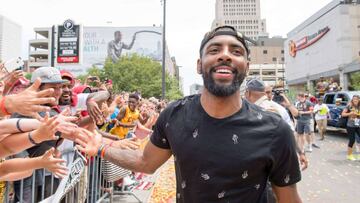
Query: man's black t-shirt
column 230, row 159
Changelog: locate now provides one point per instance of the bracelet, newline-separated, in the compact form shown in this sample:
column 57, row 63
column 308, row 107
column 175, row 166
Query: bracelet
column 18, row 125
column 103, row 151
column 100, row 149
column 3, row 108
column 31, row 139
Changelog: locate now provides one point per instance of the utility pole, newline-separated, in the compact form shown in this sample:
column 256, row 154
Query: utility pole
column 163, row 51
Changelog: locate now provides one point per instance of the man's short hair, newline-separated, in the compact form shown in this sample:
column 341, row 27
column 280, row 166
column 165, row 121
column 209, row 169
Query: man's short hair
column 255, row 85
column 117, row 32
column 224, row 30
column 134, row 96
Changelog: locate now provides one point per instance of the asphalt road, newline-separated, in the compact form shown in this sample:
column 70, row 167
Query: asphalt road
column 331, row 178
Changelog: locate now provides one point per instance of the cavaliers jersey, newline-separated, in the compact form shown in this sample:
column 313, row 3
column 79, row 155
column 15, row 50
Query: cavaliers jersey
column 129, row 118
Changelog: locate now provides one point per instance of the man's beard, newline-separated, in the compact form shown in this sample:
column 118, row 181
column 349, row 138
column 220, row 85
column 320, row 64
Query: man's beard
column 222, row 90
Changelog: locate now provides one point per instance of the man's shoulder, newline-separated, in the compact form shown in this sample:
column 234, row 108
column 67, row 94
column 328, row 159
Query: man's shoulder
column 180, row 104
column 268, row 116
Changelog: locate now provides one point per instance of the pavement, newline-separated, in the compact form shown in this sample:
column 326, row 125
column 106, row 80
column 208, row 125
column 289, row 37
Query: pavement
column 330, row 178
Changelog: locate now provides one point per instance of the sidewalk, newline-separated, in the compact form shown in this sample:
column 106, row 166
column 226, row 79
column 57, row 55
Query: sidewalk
column 162, row 191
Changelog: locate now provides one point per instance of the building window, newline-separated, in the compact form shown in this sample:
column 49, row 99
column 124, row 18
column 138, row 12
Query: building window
column 282, row 51
column 264, row 51
column 262, row 43
column 274, row 59
column 282, row 59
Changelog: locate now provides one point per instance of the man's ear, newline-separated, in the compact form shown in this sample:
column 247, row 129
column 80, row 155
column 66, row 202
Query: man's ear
column 198, row 68
column 247, row 68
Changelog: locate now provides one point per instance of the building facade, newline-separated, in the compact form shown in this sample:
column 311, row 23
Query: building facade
column 267, row 60
column 325, row 45
column 40, row 48
column 244, row 15
column 10, row 39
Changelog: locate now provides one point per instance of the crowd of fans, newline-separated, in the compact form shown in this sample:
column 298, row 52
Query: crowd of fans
column 326, row 85
column 308, row 113
column 42, row 120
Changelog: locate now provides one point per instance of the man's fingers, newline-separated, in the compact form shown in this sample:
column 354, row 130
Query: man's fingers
column 65, row 112
column 44, row 100
column 36, row 85
column 80, row 148
column 71, row 118
column 80, row 142
column 49, row 152
column 39, row 108
column 37, row 116
column 45, row 93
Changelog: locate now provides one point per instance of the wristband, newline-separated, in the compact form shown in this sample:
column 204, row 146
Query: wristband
column 103, row 151
column 100, row 149
column 3, row 108
column 31, row 139
column 18, row 125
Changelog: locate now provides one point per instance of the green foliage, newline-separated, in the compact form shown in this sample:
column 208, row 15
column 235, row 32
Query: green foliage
column 137, row 73
column 28, row 76
column 355, row 80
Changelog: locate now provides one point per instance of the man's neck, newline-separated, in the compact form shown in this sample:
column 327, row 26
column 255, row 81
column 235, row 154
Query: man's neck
column 220, row 107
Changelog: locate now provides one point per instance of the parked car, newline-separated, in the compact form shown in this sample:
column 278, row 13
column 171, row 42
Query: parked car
column 335, row 111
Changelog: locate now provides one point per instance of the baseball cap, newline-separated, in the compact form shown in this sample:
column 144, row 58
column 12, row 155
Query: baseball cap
column 224, row 30
column 47, row 75
column 255, row 85
column 68, row 75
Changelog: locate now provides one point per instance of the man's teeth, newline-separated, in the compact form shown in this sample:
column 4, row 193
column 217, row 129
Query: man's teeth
column 223, row 71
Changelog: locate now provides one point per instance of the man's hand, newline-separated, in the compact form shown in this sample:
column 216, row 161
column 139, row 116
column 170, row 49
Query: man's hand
column 286, row 103
column 95, row 112
column 303, row 161
column 13, row 77
column 29, row 102
column 47, row 130
column 89, row 143
column 53, row 164
column 131, row 143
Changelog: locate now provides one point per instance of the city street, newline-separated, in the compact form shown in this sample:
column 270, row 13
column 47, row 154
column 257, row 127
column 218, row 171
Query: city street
column 331, row 178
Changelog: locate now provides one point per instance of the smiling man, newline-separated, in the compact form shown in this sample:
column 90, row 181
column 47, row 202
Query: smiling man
column 225, row 148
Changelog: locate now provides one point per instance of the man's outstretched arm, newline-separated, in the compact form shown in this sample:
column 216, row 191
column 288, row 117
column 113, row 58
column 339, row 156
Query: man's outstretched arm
column 287, row 194
column 147, row 161
column 135, row 160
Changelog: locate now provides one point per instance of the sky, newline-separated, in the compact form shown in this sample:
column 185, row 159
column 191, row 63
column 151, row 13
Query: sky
column 186, row 20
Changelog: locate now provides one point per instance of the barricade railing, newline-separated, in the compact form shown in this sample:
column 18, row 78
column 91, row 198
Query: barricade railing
column 90, row 180
column 85, row 183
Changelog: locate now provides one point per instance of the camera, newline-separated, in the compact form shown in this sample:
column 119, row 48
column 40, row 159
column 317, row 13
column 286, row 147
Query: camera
column 92, row 78
column 277, row 97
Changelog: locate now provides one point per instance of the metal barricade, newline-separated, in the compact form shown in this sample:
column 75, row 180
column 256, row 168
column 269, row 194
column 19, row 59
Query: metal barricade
column 42, row 186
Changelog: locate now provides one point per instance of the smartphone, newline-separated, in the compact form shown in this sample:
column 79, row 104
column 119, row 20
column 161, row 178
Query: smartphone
column 14, row 64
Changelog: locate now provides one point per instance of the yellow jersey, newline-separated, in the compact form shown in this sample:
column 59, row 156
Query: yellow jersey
column 129, row 118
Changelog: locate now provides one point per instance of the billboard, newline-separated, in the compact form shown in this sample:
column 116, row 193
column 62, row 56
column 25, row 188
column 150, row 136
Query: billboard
column 68, row 42
column 100, row 43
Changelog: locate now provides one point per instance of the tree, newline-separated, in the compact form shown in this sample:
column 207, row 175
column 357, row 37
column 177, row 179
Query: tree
column 138, row 73
column 355, row 80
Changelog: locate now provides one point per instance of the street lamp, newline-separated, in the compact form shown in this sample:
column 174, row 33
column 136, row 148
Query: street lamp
column 163, row 50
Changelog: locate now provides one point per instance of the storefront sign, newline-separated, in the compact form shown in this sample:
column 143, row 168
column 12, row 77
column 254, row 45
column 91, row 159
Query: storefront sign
column 307, row 41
